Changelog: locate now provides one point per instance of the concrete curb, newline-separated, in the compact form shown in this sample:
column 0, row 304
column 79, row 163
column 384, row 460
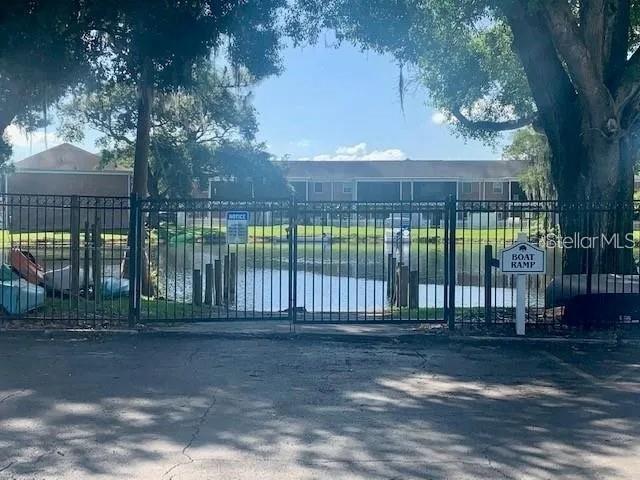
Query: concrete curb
column 323, row 335
column 534, row 340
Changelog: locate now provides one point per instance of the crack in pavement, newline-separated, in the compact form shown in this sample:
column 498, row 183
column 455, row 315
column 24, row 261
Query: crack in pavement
column 7, row 466
column 194, row 436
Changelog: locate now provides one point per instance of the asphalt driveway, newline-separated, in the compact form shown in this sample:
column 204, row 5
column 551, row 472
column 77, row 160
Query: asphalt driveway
column 315, row 407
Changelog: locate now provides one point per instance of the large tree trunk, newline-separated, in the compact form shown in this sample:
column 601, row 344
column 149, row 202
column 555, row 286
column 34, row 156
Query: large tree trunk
column 143, row 130
column 596, row 206
column 141, row 166
column 591, row 167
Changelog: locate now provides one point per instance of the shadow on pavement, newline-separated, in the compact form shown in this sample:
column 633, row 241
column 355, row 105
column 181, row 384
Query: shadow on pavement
column 305, row 408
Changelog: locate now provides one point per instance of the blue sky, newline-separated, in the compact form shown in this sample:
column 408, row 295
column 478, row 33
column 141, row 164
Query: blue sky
column 335, row 103
column 331, row 99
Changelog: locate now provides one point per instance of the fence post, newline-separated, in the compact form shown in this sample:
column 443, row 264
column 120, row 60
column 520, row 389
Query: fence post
column 293, row 255
column 86, row 259
column 132, row 240
column 451, row 249
column 75, row 249
column 488, row 264
column 97, row 261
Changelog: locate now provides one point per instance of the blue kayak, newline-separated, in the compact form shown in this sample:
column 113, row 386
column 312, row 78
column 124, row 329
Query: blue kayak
column 114, row 287
column 20, row 296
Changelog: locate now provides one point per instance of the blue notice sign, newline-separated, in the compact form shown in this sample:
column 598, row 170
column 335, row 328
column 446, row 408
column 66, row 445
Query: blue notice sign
column 237, row 227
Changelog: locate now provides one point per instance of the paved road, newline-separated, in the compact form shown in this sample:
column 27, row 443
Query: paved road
column 310, row 407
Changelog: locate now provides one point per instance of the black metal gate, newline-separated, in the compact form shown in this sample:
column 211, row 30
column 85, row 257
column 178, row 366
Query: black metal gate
column 356, row 262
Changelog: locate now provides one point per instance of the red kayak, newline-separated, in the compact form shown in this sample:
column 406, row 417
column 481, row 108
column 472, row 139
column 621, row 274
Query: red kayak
column 25, row 264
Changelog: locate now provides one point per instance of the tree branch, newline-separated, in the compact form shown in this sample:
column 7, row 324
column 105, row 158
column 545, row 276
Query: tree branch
column 492, row 126
column 586, row 76
column 630, row 81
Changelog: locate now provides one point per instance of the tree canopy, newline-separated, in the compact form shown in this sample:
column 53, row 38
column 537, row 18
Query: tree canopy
column 196, row 132
column 42, row 55
column 569, row 68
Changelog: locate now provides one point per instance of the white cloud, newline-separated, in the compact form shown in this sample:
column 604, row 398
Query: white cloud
column 359, row 151
column 439, row 118
column 19, row 138
column 302, row 143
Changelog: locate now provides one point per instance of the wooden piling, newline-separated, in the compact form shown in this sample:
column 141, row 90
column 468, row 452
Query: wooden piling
column 403, row 285
column 225, row 280
column 197, row 287
column 413, row 289
column 208, row 284
column 393, row 267
column 217, row 272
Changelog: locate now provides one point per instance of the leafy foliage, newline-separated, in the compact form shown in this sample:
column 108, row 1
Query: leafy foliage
column 42, row 55
column 460, row 51
column 197, row 132
column 532, row 147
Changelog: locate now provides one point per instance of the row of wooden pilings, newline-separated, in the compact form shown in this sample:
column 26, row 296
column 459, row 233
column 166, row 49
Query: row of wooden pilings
column 220, row 282
column 91, row 259
column 402, row 283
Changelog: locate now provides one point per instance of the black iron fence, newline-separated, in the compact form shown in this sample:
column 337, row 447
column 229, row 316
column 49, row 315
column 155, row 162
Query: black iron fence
column 62, row 257
column 95, row 261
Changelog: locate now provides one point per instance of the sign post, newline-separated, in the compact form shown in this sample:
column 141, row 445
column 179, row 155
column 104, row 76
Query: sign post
column 522, row 259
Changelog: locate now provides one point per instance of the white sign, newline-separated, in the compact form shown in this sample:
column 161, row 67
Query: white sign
column 237, row 227
column 523, row 257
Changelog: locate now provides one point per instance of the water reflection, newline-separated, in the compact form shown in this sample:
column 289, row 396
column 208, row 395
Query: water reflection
column 333, row 278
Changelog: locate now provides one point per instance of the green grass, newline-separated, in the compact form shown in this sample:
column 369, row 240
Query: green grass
column 8, row 239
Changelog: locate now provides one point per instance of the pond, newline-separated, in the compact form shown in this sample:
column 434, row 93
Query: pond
column 336, row 279
column 345, row 277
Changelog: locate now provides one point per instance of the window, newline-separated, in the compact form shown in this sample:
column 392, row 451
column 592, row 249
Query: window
column 466, row 187
column 347, row 188
column 497, row 187
column 317, row 187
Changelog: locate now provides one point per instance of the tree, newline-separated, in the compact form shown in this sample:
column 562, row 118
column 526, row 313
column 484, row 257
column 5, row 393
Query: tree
column 205, row 130
column 532, row 147
column 154, row 46
column 571, row 68
column 42, row 55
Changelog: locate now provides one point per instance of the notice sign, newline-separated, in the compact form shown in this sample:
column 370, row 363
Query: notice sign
column 523, row 257
column 237, row 227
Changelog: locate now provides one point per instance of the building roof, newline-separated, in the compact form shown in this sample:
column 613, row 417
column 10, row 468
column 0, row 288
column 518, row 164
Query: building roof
column 64, row 157
column 410, row 169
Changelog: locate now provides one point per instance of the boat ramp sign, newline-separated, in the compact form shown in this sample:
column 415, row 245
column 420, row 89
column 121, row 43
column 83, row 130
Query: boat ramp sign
column 523, row 258
column 237, row 227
